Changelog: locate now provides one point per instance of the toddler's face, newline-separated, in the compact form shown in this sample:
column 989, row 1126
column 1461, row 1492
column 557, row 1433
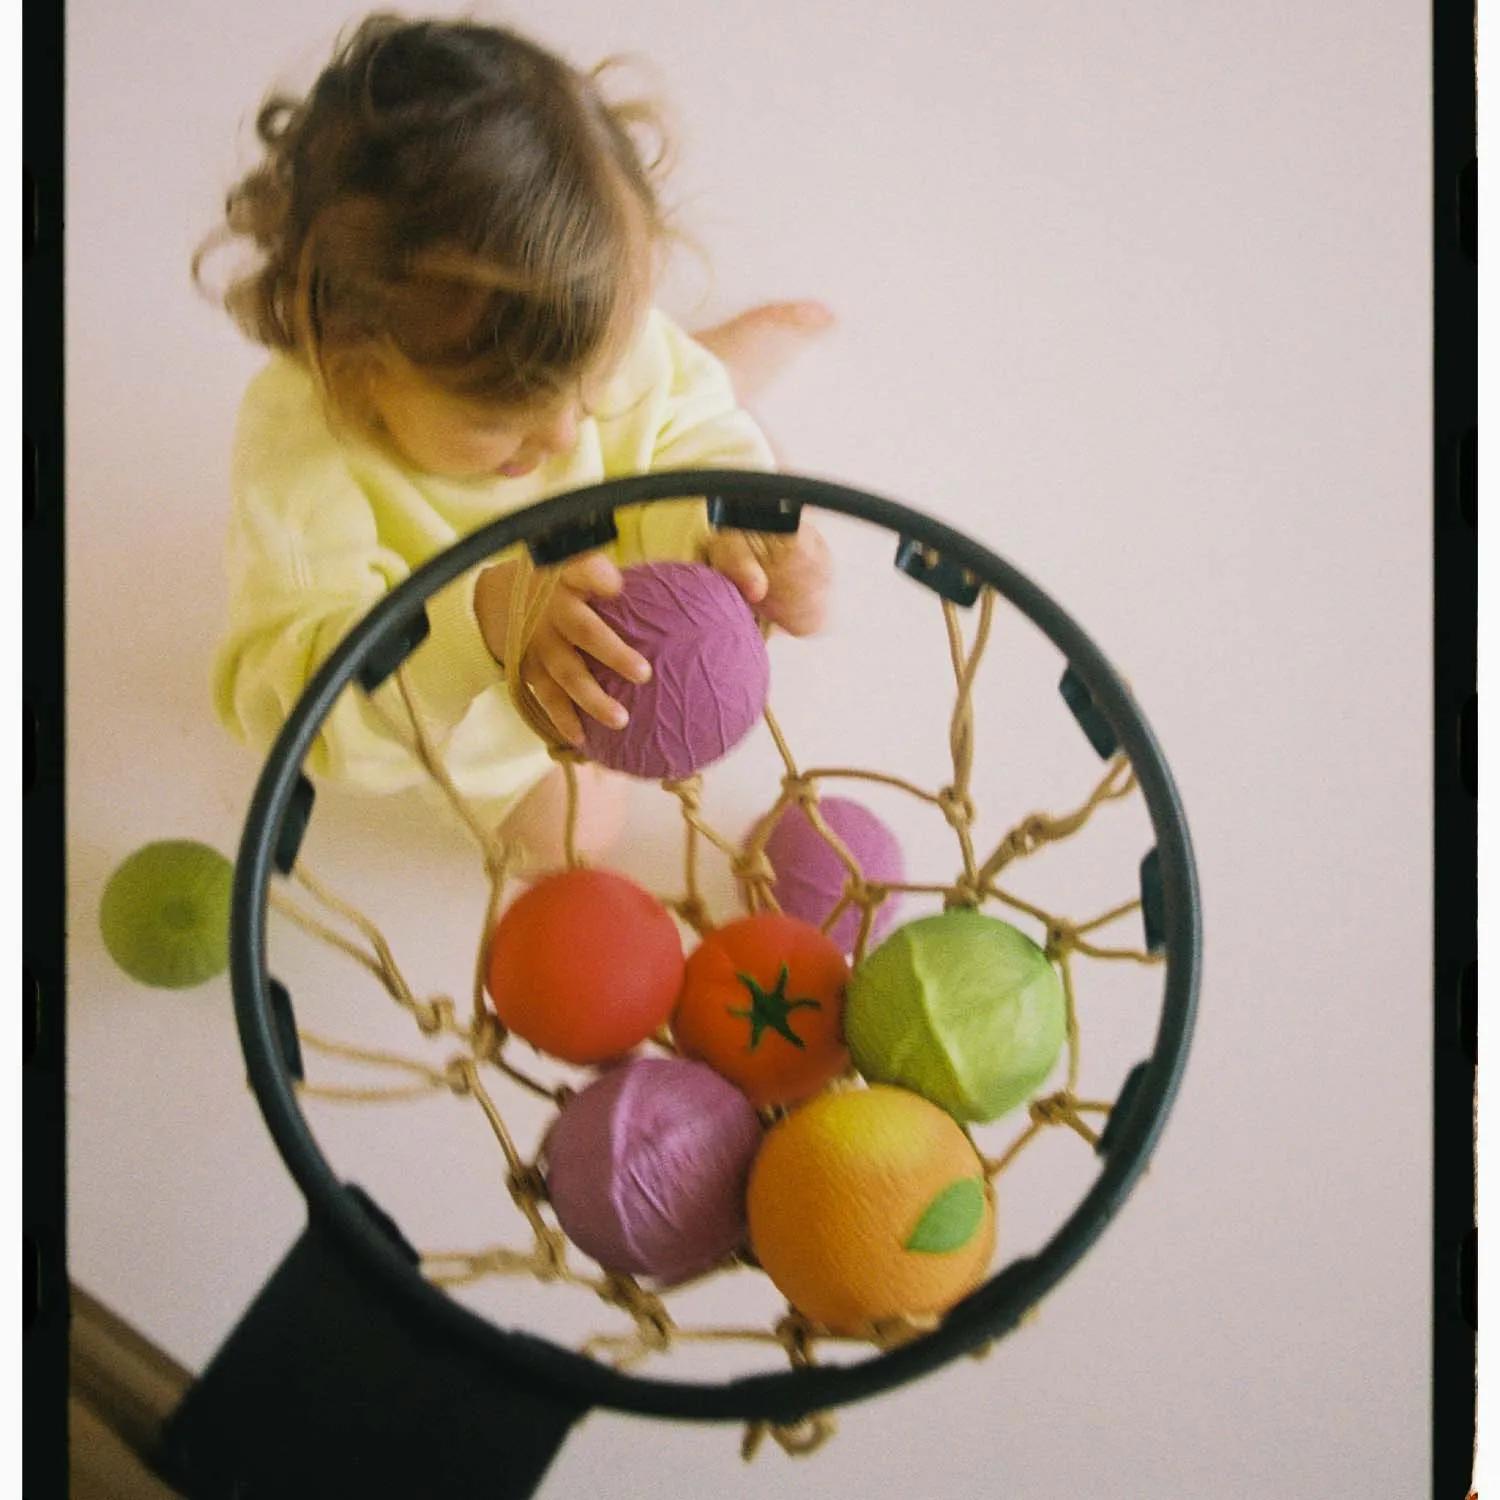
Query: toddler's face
column 443, row 434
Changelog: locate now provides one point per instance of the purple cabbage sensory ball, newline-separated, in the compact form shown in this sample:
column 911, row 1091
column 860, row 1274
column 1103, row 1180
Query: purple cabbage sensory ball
column 810, row 877
column 647, row 1168
column 710, row 672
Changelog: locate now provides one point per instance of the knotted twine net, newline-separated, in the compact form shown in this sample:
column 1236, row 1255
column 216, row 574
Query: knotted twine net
column 481, row 1065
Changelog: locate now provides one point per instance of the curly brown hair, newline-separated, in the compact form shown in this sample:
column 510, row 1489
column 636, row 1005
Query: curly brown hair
column 454, row 194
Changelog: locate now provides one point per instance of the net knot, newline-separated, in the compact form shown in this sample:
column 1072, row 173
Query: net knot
column 1039, row 829
column 801, row 1438
column 866, row 894
column 487, row 1036
column 458, row 1075
column 551, row 1254
column 1054, row 1109
column 753, row 868
column 1062, row 938
column 957, row 807
column 806, row 1434
column 688, row 790
column 433, row 1015
column 796, row 1439
column 794, row 1333
column 803, row 790
column 527, row 1187
column 647, row 1308
column 693, row 911
column 966, row 891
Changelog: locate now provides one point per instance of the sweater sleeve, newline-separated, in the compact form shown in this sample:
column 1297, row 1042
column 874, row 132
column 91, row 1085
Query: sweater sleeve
column 306, row 564
column 688, row 418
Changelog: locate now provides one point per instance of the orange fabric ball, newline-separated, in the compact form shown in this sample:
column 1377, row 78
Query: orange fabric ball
column 870, row 1204
column 585, row 966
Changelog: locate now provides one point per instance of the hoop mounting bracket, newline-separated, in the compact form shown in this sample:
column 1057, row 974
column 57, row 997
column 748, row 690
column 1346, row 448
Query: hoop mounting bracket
column 781, row 516
column 588, row 533
column 944, row 577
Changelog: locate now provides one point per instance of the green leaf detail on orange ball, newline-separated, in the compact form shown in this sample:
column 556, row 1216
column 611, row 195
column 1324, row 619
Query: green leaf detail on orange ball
column 771, row 1010
column 949, row 1221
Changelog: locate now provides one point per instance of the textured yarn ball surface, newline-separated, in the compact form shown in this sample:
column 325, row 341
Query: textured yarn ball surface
column 646, row 1168
column 810, row 876
column 585, row 965
column 710, row 672
column 164, row 915
column 961, row 1008
column 870, row 1204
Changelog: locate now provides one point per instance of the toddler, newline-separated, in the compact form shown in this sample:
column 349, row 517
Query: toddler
column 456, row 240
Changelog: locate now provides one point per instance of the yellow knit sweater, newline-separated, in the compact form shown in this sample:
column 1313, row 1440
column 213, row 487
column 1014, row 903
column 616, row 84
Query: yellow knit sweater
column 322, row 525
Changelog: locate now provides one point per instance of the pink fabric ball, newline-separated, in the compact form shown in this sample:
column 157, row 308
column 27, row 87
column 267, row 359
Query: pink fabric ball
column 810, row 877
column 647, row 1167
column 710, row 672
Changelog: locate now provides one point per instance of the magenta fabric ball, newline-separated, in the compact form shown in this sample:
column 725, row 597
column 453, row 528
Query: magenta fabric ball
column 810, row 877
column 647, row 1167
column 710, row 672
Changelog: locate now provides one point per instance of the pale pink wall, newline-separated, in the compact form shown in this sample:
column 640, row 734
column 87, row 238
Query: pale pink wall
column 1139, row 296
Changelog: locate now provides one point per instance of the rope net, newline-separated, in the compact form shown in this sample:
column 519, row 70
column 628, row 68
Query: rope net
column 481, row 1066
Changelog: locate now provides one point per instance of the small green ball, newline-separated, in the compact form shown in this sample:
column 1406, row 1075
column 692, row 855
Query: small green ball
column 961, row 1008
column 164, row 915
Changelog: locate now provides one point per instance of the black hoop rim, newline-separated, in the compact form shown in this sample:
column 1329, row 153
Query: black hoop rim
column 992, row 1310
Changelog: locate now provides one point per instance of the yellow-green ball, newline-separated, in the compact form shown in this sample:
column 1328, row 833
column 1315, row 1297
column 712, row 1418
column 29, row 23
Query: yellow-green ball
column 164, row 915
column 961, row 1008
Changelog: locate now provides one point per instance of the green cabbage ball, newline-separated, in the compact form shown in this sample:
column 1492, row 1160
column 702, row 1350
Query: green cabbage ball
column 961, row 1008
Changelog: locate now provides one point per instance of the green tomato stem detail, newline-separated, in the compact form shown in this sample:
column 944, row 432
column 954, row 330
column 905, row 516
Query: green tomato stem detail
column 771, row 1009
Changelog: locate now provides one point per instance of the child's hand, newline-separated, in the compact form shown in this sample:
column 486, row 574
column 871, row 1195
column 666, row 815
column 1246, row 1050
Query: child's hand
column 786, row 580
column 553, row 666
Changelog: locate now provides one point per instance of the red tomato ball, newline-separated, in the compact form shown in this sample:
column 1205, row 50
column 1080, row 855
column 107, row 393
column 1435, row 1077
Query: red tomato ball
column 585, row 966
column 763, row 1004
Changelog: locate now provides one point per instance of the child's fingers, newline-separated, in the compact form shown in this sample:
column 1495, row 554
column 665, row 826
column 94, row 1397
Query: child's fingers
column 581, row 627
column 801, row 576
column 593, row 573
column 565, row 667
column 732, row 555
column 805, row 615
column 557, row 706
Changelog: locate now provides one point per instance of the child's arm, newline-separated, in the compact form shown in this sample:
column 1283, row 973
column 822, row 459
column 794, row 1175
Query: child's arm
column 305, row 564
column 286, row 618
column 693, row 420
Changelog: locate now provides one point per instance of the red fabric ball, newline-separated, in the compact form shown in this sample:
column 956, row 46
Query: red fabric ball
column 585, row 966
